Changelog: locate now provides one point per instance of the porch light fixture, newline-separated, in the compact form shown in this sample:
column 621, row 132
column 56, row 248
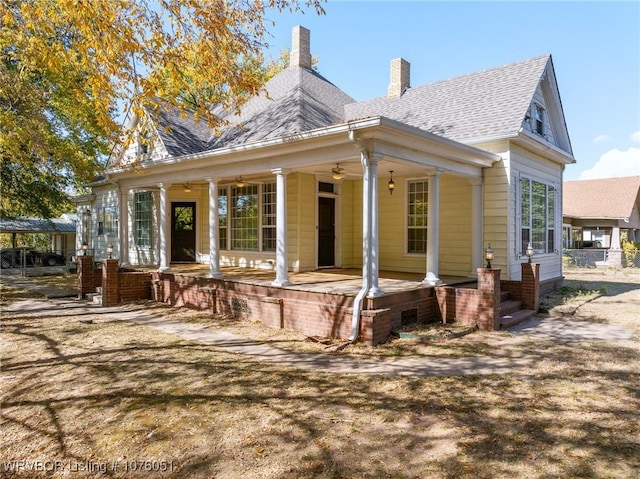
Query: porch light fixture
column 187, row 187
column 240, row 182
column 110, row 250
column 529, row 252
column 337, row 172
column 84, row 247
column 391, row 185
column 488, row 255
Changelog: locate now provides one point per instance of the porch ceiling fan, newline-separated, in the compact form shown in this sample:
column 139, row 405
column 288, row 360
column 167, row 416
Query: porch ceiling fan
column 337, row 172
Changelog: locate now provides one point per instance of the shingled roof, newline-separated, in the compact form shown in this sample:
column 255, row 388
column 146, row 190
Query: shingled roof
column 602, row 198
column 489, row 103
column 296, row 100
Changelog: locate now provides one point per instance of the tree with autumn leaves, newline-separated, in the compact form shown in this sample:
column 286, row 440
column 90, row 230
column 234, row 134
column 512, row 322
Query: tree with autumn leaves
column 69, row 67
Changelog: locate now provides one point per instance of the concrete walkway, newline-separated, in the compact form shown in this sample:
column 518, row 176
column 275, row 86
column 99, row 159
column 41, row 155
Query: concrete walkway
column 260, row 351
column 549, row 328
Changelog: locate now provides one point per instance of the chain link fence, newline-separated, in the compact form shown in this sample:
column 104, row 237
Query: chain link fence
column 593, row 258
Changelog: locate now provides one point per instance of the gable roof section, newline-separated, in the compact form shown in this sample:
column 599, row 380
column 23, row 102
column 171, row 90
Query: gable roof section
column 601, row 198
column 295, row 100
column 487, row 104
column 181, row 135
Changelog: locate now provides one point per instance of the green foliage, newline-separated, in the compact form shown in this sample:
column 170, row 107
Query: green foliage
column 630, row 254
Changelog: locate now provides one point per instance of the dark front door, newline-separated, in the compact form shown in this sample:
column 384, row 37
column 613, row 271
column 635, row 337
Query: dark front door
column 326, row 232
column 183, row 232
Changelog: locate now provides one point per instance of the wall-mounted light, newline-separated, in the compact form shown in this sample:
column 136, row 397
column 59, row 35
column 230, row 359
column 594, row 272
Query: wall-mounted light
column 110, row 250
column 240, row 182
column 84, row 247
column 529, row 251
column 337, row 172
column 488, row 255
column 391, row 185
column 187, row 187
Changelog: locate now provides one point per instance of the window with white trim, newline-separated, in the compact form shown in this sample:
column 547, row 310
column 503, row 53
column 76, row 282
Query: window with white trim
column 108, row 221
column 223, row 219
column 142, row 219
column 538, row 119
column 417, row 216
column 247, row 217
column 269, row 217
column 537, row 216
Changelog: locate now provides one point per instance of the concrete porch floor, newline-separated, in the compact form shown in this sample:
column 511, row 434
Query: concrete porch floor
column 343, row 281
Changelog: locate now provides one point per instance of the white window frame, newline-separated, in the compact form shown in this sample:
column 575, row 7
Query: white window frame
column 408, row 226
column 539, row 118
column 138, row 221
column 554, row 231
column 227, row 231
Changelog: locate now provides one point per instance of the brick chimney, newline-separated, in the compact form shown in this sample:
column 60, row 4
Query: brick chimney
column 300, row 48
column 400, row 77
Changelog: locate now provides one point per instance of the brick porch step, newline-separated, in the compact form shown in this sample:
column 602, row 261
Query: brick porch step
column 509, row 306
column 517, row 317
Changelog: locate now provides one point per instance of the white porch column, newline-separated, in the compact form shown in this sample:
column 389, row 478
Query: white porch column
column 164, row 227
column 367, row 236
column 282, row 258
column 214, row 243
column 615, row 238
column 123, row 227
column 374, row 271
column 433, row 226
column 477, row 231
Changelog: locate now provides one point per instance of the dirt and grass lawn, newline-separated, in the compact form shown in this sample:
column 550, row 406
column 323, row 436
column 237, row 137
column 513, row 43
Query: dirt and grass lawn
column 94, row 396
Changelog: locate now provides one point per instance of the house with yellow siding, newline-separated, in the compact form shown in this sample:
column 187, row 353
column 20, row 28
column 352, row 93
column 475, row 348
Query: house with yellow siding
column 421, row 180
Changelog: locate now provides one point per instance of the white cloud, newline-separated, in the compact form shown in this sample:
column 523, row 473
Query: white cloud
column 615, row 163
column 601, row 139
column 635, row 136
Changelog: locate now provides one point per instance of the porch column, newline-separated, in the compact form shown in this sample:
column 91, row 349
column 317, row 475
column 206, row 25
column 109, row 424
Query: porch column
column 214, row 243
column 282, row 258
column 367, row 236
column 615, row 238
column 164, row 227
column 433, row 226
column 123, row 227
column 476, row 232
column 374, row 289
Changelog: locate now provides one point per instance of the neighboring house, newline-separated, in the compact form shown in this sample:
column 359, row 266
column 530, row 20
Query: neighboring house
column 304, row 183
column 61, row 231
column 601, row 213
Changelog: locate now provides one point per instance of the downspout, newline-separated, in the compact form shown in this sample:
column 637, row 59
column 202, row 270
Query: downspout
column 366, row 239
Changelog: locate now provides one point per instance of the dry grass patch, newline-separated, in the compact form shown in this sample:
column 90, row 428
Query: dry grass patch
column 112, row 392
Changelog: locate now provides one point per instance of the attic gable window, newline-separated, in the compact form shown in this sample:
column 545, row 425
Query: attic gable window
column 538, row 118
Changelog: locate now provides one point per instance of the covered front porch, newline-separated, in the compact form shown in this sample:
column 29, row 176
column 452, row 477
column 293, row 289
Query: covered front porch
column 340, row 281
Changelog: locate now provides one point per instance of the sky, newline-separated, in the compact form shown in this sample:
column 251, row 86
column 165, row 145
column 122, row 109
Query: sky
column 595, row 48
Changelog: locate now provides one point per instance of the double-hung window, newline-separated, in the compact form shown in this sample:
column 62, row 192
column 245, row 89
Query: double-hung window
column 142, row 219
column 108, row 221
column 247, row 217
column 417, row 217
column 538, row 216
column 223, row 218
column 538, row 116
column 269, row 217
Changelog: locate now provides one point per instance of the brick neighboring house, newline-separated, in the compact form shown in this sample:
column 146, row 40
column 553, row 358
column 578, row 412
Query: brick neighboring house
column 306, row 182
column 599, row 213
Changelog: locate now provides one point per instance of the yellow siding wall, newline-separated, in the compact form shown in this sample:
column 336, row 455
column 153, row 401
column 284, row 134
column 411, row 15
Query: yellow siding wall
column 454, row 231
column 455, row 226
column 305, row 212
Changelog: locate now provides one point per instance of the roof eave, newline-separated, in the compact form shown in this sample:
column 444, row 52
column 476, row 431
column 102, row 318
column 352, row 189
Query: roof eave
column 329, row 134
column 547, row 150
